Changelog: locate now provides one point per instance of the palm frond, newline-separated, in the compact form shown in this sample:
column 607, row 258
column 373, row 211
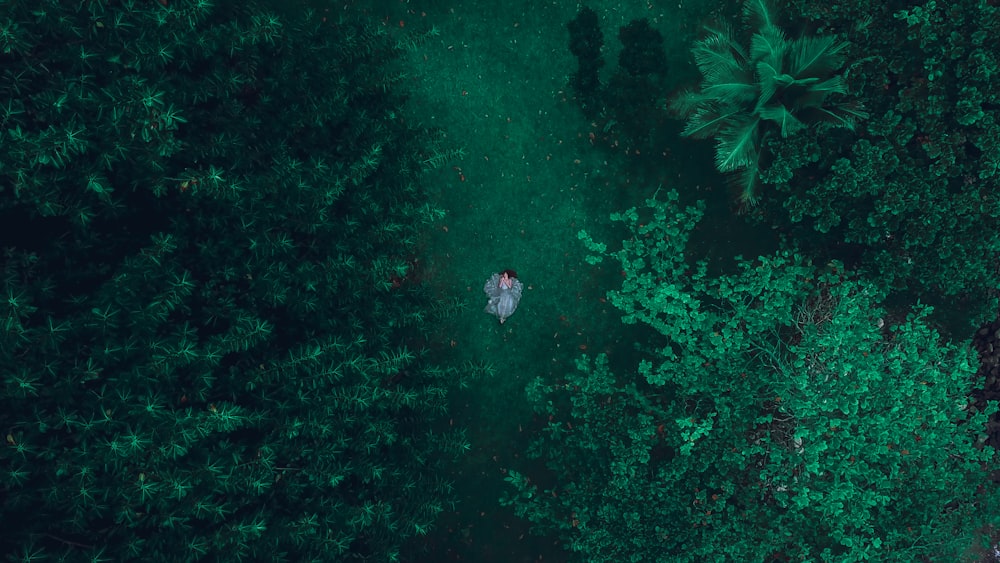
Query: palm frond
column 737, row 145
column 687, row 102
column 758, row 12
column 832, row 85
column 816, row 92
column 767, row 82
column 769, row 45
column 845, row 115
column 789, row 80
column 816, row 56
column 735, row 92
column 719, row 55
column 779, row 114
column 746, row 182
column 708, row 120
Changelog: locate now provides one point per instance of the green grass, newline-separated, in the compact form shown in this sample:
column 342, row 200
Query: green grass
column 495, row 78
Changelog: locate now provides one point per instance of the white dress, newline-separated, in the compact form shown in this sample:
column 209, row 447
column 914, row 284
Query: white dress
column 503, row 300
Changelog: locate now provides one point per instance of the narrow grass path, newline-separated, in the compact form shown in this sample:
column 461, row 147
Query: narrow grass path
column 495, row 80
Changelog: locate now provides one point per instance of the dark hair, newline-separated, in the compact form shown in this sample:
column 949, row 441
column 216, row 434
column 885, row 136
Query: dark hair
column 510, row 273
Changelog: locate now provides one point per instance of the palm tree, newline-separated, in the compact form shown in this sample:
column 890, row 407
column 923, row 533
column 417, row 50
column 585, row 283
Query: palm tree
column 778, row 85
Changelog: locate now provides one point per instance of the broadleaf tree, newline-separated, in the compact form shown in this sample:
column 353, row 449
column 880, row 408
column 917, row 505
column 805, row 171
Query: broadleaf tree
column 774, row 416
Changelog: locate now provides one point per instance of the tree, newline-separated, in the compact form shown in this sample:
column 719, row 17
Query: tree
column 778, row 85
column 585, row 43
column 913, row 199
column 773, row 416
column 211, row 218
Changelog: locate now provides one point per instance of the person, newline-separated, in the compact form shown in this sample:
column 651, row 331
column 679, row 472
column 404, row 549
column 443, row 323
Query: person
column 504, row 291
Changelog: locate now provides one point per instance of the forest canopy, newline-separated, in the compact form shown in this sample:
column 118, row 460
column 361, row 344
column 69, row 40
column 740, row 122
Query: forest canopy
column 205, row 351
column 775, row 415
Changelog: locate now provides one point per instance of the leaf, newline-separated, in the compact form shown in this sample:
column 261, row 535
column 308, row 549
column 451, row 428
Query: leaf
column 832, row 85
column 758, row 10
column 719, row 55
column 841, row 115
column 767, row 82
column 745, row 181
column 816, row 56
column 769, row 46
column 737, row 146
column 732, row 92
column 708, row 120
column 779, row 114
column 687, row 102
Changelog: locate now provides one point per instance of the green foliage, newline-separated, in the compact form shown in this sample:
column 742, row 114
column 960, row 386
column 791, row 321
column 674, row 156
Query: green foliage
column 771, row 418
column 204, row 355
column 778, row 85
column 916, row 196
